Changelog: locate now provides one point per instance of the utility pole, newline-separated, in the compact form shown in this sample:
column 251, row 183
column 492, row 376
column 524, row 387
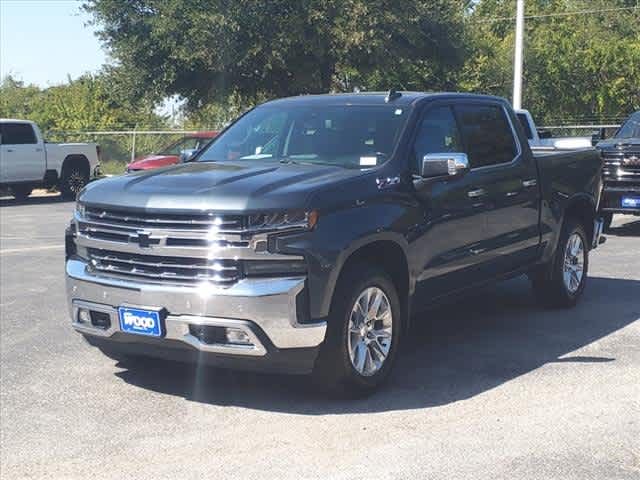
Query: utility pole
column 517, row 63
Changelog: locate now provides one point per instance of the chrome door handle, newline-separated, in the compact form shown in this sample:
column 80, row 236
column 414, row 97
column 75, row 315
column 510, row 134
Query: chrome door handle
column 480, row 192
column 9, row 150
column 511, row 194
column 38, row 149
column 529, row 183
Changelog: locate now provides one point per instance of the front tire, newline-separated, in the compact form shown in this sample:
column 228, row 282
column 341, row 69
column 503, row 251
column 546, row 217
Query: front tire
column 561, row 282
column 363, row 333
column 21, row 192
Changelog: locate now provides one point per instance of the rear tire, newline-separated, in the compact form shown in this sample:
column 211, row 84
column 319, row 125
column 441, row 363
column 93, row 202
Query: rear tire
column 21, row 192
column 360, row 347
column 561, row 282
column 73, row 179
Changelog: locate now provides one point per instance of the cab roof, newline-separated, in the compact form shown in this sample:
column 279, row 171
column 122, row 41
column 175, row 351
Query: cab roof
column 375, row 98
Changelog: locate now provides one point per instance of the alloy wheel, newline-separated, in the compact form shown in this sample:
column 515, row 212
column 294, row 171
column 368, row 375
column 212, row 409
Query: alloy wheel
column 76, row 181
column 370, row 331
column 573, row 268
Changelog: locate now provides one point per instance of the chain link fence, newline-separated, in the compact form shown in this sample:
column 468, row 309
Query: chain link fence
column 603, row 130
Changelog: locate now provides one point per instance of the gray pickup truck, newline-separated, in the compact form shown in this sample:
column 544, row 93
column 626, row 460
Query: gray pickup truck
column 305, row 237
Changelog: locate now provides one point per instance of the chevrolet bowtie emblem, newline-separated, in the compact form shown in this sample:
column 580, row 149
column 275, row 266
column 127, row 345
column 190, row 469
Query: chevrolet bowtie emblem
column 143, row 239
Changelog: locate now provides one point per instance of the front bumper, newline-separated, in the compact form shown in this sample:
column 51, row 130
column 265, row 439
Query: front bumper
column 265, row 309
column 612, row 199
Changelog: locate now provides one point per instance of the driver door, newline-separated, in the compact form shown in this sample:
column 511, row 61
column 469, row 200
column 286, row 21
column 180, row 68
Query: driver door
column 450, row 241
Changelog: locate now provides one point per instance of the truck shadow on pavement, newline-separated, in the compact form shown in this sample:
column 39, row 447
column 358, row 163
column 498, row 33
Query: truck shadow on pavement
column 455, row 352
column 629, row 229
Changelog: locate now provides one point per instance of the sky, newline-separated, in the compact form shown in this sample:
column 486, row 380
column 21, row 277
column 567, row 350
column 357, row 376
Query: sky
column 43, row 41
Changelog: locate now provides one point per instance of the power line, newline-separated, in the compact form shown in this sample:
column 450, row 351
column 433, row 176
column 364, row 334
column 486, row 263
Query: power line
column 559, row 14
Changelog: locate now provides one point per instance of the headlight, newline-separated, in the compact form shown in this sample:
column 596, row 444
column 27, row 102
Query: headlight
column 80, row 209
column 70, row 247
column 296, row 219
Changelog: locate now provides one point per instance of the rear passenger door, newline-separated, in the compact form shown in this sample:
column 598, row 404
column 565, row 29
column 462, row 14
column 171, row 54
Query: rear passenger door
column 507, row 179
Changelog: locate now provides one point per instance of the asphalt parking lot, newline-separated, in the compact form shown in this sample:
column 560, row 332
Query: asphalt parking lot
column 492, row 387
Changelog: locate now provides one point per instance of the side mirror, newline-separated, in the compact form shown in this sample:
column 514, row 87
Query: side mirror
column 444, row 164
column 545, row 134
column 186, row 155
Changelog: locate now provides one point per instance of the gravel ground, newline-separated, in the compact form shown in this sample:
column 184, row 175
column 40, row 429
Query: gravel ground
column 491, row 387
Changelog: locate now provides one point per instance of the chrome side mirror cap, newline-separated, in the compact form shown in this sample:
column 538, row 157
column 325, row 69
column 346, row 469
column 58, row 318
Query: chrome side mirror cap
column 444, row 165
column 186, row 155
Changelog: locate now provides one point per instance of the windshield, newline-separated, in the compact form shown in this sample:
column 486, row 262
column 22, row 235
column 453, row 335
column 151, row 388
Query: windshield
column 631, row 128
column 346, row 135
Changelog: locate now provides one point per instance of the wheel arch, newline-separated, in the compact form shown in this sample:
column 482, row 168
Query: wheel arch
column 75, row 159
column 583, row 209
column 391, row 256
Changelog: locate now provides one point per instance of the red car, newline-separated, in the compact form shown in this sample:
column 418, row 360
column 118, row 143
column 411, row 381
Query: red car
column 171, row 154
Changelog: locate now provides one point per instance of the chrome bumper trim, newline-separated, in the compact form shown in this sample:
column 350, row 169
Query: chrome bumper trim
column 269, row 303
column 177, row 328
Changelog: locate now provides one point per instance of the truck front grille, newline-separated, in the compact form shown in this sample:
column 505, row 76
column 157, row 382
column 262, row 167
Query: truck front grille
column 161, row 269
column 175, row 221
column 621, row 167
column 170, row 247
column 167, row 247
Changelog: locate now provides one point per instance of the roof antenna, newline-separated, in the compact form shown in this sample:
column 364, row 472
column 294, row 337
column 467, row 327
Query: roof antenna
column 392, row 95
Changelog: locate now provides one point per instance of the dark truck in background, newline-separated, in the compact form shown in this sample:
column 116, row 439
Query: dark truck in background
column 621, row 171
column 304, row 236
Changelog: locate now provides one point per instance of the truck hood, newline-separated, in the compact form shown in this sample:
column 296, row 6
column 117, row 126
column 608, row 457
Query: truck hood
column 233, row 187
column 620, row 144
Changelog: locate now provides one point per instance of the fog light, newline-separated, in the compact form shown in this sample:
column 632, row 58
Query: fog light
column 237, row 336
column 84, row 316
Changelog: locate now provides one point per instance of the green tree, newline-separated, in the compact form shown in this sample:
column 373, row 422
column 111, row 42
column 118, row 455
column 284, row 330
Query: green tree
column 18, row 100
column 91, row 102
column 577, row 68
column 213, row 50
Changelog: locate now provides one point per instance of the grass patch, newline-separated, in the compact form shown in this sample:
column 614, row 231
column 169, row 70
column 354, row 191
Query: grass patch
column 113, row 167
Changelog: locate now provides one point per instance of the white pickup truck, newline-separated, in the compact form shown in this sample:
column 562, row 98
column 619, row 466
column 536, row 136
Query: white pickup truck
column 28, row 162
column 538, row 139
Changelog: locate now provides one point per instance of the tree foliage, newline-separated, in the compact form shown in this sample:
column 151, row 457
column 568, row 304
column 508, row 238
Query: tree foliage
column 91, row 102
column 580, row 67
column 222, row 56
column 209, row 50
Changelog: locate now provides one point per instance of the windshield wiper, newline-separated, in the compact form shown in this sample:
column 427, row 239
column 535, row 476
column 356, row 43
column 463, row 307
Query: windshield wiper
column 291, row 161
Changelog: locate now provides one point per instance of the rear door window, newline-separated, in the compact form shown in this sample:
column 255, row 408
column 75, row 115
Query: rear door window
column 17, row 134
column 487, row 134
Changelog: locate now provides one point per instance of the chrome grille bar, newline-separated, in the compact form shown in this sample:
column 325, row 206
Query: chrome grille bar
column 106, row 257
column 621, row 166
column 176, row 269
column 200, row 222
